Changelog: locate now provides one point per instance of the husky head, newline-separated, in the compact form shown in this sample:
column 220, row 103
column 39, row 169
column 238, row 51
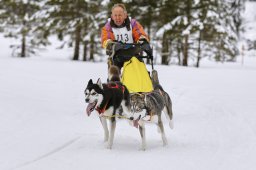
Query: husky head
column 138, row 105
column 93, row 95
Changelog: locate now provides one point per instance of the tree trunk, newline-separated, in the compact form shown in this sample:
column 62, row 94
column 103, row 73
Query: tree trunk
column 77, row 42
column 165, row 50
column 199, row 50
column 85, row 51
column 23, row 46
column 179, row 47
column 185, row 52
column 186, row 44
column 92, row 48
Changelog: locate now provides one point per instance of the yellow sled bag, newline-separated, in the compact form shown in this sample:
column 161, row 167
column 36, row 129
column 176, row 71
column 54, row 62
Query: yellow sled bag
column 135, row 76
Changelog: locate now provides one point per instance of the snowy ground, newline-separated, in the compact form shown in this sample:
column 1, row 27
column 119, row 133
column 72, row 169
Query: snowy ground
column 43, row 123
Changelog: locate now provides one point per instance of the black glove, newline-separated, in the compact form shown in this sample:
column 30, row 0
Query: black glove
column 145, row 46
column 142, row 41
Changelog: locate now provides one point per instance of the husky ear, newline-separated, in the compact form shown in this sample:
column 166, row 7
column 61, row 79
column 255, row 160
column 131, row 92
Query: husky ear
column 99, row 83
column 89, row 82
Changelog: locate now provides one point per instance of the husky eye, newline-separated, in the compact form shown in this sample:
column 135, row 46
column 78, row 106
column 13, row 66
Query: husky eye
column 93, row 93
column 86, row 93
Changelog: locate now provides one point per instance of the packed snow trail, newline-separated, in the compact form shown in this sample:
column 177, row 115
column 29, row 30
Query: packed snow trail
column 43, row 124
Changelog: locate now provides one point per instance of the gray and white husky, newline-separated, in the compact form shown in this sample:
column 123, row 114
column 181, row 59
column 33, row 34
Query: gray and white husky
column 109, row 100
column 148, row 107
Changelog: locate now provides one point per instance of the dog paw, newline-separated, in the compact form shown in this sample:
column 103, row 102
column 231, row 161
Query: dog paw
column 105, row 139
column 108, row 146
column 171, row 124
column 142, row 148
column 165, row 143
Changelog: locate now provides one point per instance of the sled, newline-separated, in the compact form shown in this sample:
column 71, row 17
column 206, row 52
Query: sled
column 134, row 74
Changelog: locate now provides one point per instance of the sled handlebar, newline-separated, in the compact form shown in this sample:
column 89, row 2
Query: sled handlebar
column 132, row 49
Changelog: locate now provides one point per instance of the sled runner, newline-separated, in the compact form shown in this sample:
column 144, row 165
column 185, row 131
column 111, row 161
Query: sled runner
column 135, row 75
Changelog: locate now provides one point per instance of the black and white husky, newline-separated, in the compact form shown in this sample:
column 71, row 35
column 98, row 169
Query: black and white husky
column 110, row 100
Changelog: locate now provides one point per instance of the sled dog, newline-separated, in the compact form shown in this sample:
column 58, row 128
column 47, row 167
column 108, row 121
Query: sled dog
column 114, row 73
column 109, row 100
column 148, row 107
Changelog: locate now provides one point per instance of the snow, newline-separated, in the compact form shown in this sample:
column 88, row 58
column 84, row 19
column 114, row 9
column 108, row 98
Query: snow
column 104, row 2
column 167, row 26
column 43, row 124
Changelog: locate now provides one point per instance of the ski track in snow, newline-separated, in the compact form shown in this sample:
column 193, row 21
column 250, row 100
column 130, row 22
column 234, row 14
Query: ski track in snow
column 58, row 149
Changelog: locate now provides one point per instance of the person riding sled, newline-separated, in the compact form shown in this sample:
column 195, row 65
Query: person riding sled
column 121, row 29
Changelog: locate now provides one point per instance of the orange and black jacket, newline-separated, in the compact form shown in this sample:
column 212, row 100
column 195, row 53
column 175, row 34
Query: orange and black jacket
column 137, row 31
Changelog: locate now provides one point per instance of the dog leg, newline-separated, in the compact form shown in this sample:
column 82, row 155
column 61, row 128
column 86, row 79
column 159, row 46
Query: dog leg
column 105, row 127
column 126, row 109
column 142, row 134
column 161, row 127
column 112, row 132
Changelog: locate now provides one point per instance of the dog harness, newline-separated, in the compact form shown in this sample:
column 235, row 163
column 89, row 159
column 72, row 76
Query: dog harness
column 116, row 86
column 100, row 111
column 112, row 86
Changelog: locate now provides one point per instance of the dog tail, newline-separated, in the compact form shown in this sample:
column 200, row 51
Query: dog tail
column 168, row 106
column 155, row 81
column 113, row 73
column 167, row 99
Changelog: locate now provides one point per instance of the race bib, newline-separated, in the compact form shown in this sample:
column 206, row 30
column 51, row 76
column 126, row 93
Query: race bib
column 123, row 35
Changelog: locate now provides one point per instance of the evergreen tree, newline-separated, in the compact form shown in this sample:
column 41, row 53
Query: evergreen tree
column 187, row 30
column 237, row 8
column 225, row 37
column 19, row 21
column 206, row 12
column 75, row 19
column 175, row 28
column 204, row 28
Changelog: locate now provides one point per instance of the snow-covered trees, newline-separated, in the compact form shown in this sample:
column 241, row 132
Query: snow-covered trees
column 76, row 19
column 182, row 32
column 201, row 28
column 18, row 21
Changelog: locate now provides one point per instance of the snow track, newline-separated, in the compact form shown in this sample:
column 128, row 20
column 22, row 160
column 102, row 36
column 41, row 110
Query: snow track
column 58, row 149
